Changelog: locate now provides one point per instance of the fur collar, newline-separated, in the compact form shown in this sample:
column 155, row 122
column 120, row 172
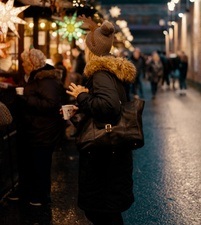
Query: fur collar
column 55, row 73
column 121, row 67
column 47, row 71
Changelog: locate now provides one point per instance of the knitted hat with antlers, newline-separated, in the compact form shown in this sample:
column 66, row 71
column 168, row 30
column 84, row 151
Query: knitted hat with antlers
column 100, row 39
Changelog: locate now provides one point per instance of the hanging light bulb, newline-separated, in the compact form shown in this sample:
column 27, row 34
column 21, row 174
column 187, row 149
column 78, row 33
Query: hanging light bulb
column 171, row 6
column 180, row 15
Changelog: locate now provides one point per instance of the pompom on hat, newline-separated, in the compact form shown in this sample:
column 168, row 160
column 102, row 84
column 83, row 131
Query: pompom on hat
column 100, row 39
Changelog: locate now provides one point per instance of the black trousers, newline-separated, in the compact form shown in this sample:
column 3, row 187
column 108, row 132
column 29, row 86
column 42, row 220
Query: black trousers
column 102, row 218
column 154, row 88
column 34, row 165
column 41, row 173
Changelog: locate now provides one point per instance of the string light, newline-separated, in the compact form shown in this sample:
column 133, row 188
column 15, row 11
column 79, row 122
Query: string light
column 79, row 3
column 115, row 11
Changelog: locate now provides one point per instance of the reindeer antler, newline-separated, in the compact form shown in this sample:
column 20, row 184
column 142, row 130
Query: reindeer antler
column 89, row 22
column 91, row 25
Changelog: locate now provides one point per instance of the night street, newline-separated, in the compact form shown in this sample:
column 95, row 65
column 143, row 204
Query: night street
column 167, row 182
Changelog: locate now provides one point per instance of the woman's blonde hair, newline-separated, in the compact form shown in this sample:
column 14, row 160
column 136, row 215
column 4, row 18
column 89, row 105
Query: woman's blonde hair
column 89, row 55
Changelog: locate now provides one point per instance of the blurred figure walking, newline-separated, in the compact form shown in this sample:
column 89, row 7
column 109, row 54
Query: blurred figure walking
column 183, row 68
column 137, row 60
column 78, row 62
column 155, row 72
column 166, row 70
column 58, row 64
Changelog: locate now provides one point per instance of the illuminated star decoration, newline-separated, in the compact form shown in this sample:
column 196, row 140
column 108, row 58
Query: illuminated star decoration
column 70, row 28
column 115, row 11
column 8, row 16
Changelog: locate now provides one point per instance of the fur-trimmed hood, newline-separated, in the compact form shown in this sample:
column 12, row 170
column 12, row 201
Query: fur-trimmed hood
column 47, row 71
column 55, row 73
column 121, row 67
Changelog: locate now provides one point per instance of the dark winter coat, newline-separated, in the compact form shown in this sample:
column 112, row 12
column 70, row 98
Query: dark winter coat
column 80, row 64
column 138, row 63
column 63, row 70
column 155, row 71
column 105, row 175
column 42, row 125
column 183, row 68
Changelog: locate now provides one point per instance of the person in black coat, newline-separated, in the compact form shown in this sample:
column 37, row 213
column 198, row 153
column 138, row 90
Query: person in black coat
column 80, row 63
column 40, row 127
column 137, row 59
column 105, row 175
column 58, row 64
column 183, row 68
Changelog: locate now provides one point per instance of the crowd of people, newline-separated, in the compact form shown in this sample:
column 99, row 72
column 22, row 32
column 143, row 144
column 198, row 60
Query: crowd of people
column 160, row 70
column 105, row 175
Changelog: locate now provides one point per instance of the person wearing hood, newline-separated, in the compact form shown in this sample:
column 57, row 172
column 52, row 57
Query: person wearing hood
column 40, row 127
column 105, row 175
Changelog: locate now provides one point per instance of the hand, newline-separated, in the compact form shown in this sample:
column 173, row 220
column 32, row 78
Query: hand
column 75, row 90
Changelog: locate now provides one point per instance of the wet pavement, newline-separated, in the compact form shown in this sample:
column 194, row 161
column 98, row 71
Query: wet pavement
column 167, row 171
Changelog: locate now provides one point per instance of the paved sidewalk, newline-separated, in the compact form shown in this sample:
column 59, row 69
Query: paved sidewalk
column 167, row 182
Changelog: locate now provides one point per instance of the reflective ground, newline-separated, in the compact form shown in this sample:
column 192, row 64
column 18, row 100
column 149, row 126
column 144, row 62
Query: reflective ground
column 167, row 171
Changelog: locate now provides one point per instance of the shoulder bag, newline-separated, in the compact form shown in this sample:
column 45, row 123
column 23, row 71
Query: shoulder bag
column 128, row 132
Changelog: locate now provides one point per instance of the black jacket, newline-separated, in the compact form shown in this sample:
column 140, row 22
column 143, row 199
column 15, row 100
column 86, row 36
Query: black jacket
column 63, row 70
column 105, row 175
column 39, row 116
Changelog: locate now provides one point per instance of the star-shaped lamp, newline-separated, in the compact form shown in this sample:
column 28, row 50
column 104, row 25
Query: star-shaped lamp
column 70, row 28
column 9, row 16
column 115, row 11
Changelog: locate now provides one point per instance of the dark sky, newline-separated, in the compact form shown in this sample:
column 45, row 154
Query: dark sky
column 113, row 2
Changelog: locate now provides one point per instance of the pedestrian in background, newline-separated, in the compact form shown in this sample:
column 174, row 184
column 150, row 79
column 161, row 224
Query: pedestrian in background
column 137, row 60
column 76, row 73
column 105, row 175
column 174, row 61
column 78, row 62
column 166, row 70
column 183, row 68
column 58, row 64
column 40, row 128
column 155, row 72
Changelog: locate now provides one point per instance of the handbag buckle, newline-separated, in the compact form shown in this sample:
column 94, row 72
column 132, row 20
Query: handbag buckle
column 108, row 128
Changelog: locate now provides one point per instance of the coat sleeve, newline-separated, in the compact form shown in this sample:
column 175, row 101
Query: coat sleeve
column 102, row 102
